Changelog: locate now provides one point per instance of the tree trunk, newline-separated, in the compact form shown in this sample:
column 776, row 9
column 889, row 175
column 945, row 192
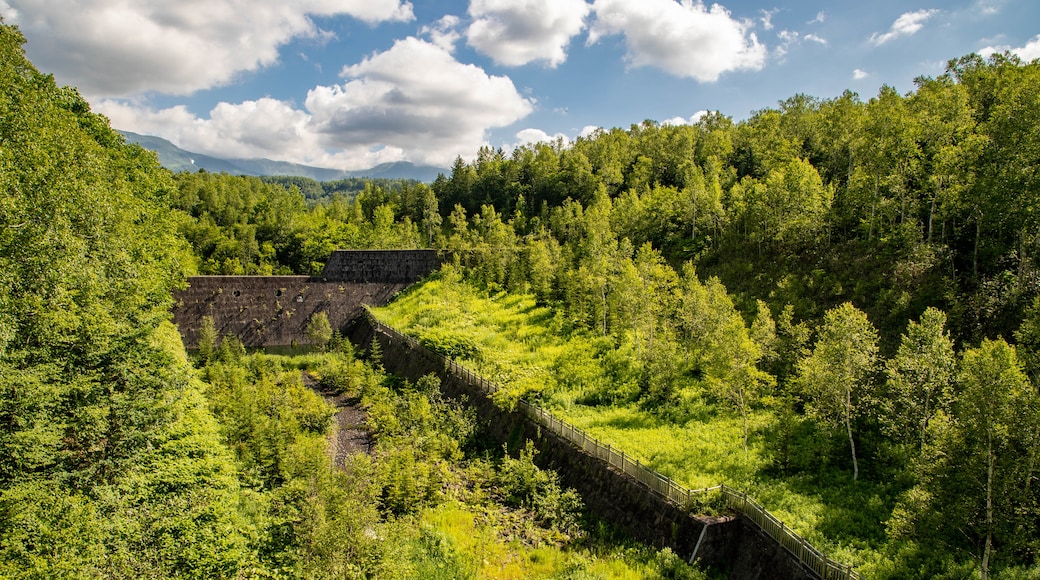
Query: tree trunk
column 924, row 425
column 989, row 508
column 931, row 217
column 975, row 253
column 743, row 414
column 873, row 208
column 848, row 427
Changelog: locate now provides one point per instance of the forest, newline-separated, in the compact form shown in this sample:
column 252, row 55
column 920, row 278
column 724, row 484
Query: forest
column 834, row 304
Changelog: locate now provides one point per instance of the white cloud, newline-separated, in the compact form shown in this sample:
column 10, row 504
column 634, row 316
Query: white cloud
column 987, row 8
column 531, row 136
column 518, row 32
column 860, row 74
column 416, row 96
column 767, row 18
column 789, row 38
column 412, row 102
column 685, row 40
column 589, row 130
column 115, row 48
column 1030, row 51
column 907, row 24
column 263, row 128
column 1027, row 53
column 676, row 121
column 443, row 33
column 821, row 17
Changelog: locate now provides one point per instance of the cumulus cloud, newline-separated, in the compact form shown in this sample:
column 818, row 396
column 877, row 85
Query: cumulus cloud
column 114, row 48
column 860, row 74
column 443, row 33
column 685, row 40
column 518, row 32
column 1027, row 53
column 416, row 95
column 531, row 136
column 1030, row 51
column 683, row 121
column 261, row 128
column 412, row 102
column 907, row 24
column 589, row 130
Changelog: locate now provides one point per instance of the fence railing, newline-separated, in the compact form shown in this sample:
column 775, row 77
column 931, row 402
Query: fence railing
column 663, row 486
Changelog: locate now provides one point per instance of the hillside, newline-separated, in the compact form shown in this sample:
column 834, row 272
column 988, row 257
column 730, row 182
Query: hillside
column 122, row 456
column 176, row 159
column 835, row 303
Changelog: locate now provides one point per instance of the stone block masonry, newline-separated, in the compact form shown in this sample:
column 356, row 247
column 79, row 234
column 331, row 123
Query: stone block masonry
column 273, row 311
column 386, row 266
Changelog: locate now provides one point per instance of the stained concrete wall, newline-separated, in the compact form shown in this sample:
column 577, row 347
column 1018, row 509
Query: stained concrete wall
column 730, row 545
column 380, row 265
column 264, row 311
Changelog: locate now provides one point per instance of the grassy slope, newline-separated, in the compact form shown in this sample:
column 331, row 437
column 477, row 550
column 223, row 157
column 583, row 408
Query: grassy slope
column 528, row 350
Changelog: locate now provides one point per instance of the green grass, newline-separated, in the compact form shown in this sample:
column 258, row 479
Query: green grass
column 586, row 381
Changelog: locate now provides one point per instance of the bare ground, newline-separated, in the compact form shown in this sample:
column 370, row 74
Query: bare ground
column 349, row 435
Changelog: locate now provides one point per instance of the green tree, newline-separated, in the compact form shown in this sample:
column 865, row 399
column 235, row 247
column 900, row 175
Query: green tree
column 208, row 339
column 837, row 377
column 920, row 378
column 319, row 331
column 977, row 496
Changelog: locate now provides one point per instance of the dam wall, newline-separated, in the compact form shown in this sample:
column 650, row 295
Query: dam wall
column 273, row 311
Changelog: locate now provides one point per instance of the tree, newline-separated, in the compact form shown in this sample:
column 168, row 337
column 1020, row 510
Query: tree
column 837, row 376
column 319, row 331
column 920, row 378
column 208, row 339
column 981, row 476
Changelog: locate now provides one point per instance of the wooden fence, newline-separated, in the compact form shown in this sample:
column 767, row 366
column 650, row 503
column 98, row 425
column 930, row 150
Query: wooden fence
column 665, row 487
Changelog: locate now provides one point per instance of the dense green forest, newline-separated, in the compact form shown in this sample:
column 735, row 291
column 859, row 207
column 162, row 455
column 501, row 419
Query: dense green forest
column 847, row 290
column 120, row 457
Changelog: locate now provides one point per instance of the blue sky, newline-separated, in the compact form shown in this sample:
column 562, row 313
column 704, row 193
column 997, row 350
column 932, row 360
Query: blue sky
column 353, row 83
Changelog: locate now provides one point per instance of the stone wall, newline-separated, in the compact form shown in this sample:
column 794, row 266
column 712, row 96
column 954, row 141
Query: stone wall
column 265, row 311
column 380, row 265
column 729, row 545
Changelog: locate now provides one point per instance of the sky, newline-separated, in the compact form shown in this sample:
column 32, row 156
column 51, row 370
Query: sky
column 350, row 84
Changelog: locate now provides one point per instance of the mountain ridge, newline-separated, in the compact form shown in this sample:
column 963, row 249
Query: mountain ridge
column 176, row 159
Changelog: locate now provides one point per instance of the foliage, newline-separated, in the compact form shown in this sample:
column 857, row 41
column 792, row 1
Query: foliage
column 249, row 225
column 112, row 465
column 319, row 331
column 837, row 378
column 521, row 483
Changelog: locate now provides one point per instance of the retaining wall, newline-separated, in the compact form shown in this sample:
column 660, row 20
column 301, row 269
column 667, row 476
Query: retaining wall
column 265, row 311
column 394, row 266
column 730, row 545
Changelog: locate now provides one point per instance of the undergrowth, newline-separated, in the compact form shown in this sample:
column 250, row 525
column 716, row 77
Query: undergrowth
column 590, row 381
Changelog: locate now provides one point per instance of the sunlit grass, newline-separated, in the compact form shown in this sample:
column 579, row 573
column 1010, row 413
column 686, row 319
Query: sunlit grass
column 460, row 540
column 526, row 349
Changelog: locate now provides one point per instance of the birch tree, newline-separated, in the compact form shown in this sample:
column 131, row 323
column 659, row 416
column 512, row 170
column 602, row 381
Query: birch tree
column 837, row 377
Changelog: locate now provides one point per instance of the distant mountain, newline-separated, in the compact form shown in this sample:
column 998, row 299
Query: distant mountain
column 176, row 159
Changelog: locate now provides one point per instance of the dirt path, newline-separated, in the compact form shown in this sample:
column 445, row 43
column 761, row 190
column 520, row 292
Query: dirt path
column 348, row 435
